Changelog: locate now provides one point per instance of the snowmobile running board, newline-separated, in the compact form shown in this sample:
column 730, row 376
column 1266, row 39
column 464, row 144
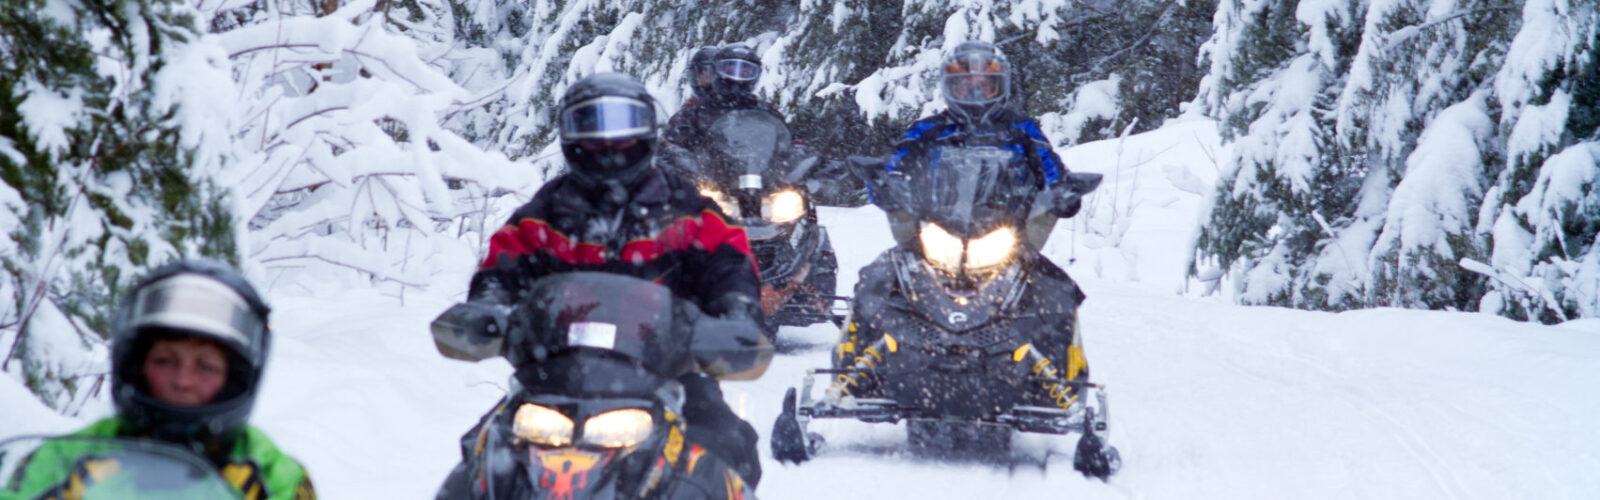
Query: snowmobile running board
column 1037, row 419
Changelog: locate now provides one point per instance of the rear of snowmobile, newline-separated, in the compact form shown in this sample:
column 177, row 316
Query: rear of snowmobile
column 751, row 168
column 970, row 338
column 594, row 409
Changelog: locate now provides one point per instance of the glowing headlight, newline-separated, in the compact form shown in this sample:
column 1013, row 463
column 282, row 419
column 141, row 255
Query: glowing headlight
column 618, row 428
column 992, row 249
column 542, row 426
column 945, row 250
column 730, row 206
column 783, row 206
column 942, row 248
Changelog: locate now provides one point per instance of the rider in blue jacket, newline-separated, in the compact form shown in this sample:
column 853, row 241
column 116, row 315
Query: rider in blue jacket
column 976, row 86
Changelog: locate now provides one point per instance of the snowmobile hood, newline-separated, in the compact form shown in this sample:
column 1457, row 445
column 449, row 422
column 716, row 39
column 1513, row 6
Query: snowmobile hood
column 959, row 312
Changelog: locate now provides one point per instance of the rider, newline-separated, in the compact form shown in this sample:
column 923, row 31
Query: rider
column 187, row 350
column 734, row 69
column 976, row 86
column 614, row 212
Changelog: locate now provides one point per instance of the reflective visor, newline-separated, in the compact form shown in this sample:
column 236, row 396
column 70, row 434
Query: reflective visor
column 607, row 117
column 738, row 69
column 974, row 79
column 198, row 304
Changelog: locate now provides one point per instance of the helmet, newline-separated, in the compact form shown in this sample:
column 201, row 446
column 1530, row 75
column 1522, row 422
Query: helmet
column 608, row 128
column 702, row 71
column 976, row 81
column 738, row 68
column 189, row 299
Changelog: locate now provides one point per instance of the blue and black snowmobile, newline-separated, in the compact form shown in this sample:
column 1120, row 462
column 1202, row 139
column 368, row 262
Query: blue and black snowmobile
column 595, row 408
column 963, row 330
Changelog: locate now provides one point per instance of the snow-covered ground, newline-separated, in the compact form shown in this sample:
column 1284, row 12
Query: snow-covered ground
column 1208, row 399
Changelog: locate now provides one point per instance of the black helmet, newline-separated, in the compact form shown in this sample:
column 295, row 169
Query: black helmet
column 702, row 71
column 976, row 81
column 608, row 128
column 738, row 68
column 189, row 299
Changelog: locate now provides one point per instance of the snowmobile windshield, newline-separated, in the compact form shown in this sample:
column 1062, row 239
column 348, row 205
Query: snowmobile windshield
column 106, row 468
column 969, row 191
column 607, row 118
column 602, row 313
column 748, row 142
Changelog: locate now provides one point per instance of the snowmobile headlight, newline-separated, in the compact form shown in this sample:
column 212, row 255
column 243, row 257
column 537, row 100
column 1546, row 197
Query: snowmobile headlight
column 730, row 206
column 542, row 426
column 618, row 428
column 941, row 247
column 783, row 206
column 991, row 249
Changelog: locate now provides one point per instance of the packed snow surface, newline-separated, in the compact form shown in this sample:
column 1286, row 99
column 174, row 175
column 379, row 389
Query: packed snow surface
column 1207, row 399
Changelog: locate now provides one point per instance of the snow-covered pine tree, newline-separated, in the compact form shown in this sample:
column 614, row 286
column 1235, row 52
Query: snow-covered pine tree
column 1542, row 213
column 1290, row 188
column 107, row 161
column 1418, row 108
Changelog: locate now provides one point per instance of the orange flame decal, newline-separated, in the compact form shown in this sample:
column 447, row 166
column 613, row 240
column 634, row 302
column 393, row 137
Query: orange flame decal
column 565, row 470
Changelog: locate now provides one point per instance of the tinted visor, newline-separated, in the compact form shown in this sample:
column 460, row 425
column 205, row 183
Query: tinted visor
column 738, row 70
column 608, row 117
column 974, row 79
column 200, row 305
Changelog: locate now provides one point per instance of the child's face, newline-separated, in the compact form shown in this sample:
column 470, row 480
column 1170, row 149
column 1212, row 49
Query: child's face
column 185, row 371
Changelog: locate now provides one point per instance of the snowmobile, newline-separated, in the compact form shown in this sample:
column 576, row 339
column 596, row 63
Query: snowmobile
column 752, row 169
column 594, row 407
column 963, row 331
column 95, row 467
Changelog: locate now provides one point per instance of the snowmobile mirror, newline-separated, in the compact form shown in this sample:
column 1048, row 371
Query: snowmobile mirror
column 1083, row 183
column 891, row 191
column 801, row 168
column 471, row 331
column 730, row 349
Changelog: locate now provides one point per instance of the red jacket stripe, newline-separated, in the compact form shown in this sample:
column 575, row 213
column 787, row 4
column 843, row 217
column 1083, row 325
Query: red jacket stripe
column 706, row 232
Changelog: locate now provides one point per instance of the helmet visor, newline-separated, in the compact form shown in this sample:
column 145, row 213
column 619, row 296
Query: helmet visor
column 607, row 117
column 738, row 70
column 200, row 305
column 975, row 79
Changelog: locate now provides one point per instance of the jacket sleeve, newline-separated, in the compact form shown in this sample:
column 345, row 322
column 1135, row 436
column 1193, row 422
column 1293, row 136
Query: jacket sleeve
column 516, row 255
column 728, row 266
column 1050, row 166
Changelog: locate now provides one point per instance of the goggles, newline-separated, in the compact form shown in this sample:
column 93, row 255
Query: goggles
column 607, row 117
column 975, row 79
column 738, row 70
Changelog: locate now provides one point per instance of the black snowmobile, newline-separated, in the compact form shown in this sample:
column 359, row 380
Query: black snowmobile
column 94, row 467
column 752, row 169
column 594, row 409
column 963, row 330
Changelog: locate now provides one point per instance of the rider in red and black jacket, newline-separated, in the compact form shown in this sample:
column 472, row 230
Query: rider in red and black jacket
column 614, row 212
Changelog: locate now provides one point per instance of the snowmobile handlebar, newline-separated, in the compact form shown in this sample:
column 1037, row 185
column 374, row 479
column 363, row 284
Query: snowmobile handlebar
column 728, row 349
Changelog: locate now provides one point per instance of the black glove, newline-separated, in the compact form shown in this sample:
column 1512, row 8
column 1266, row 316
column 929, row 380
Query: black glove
column 735, row 305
